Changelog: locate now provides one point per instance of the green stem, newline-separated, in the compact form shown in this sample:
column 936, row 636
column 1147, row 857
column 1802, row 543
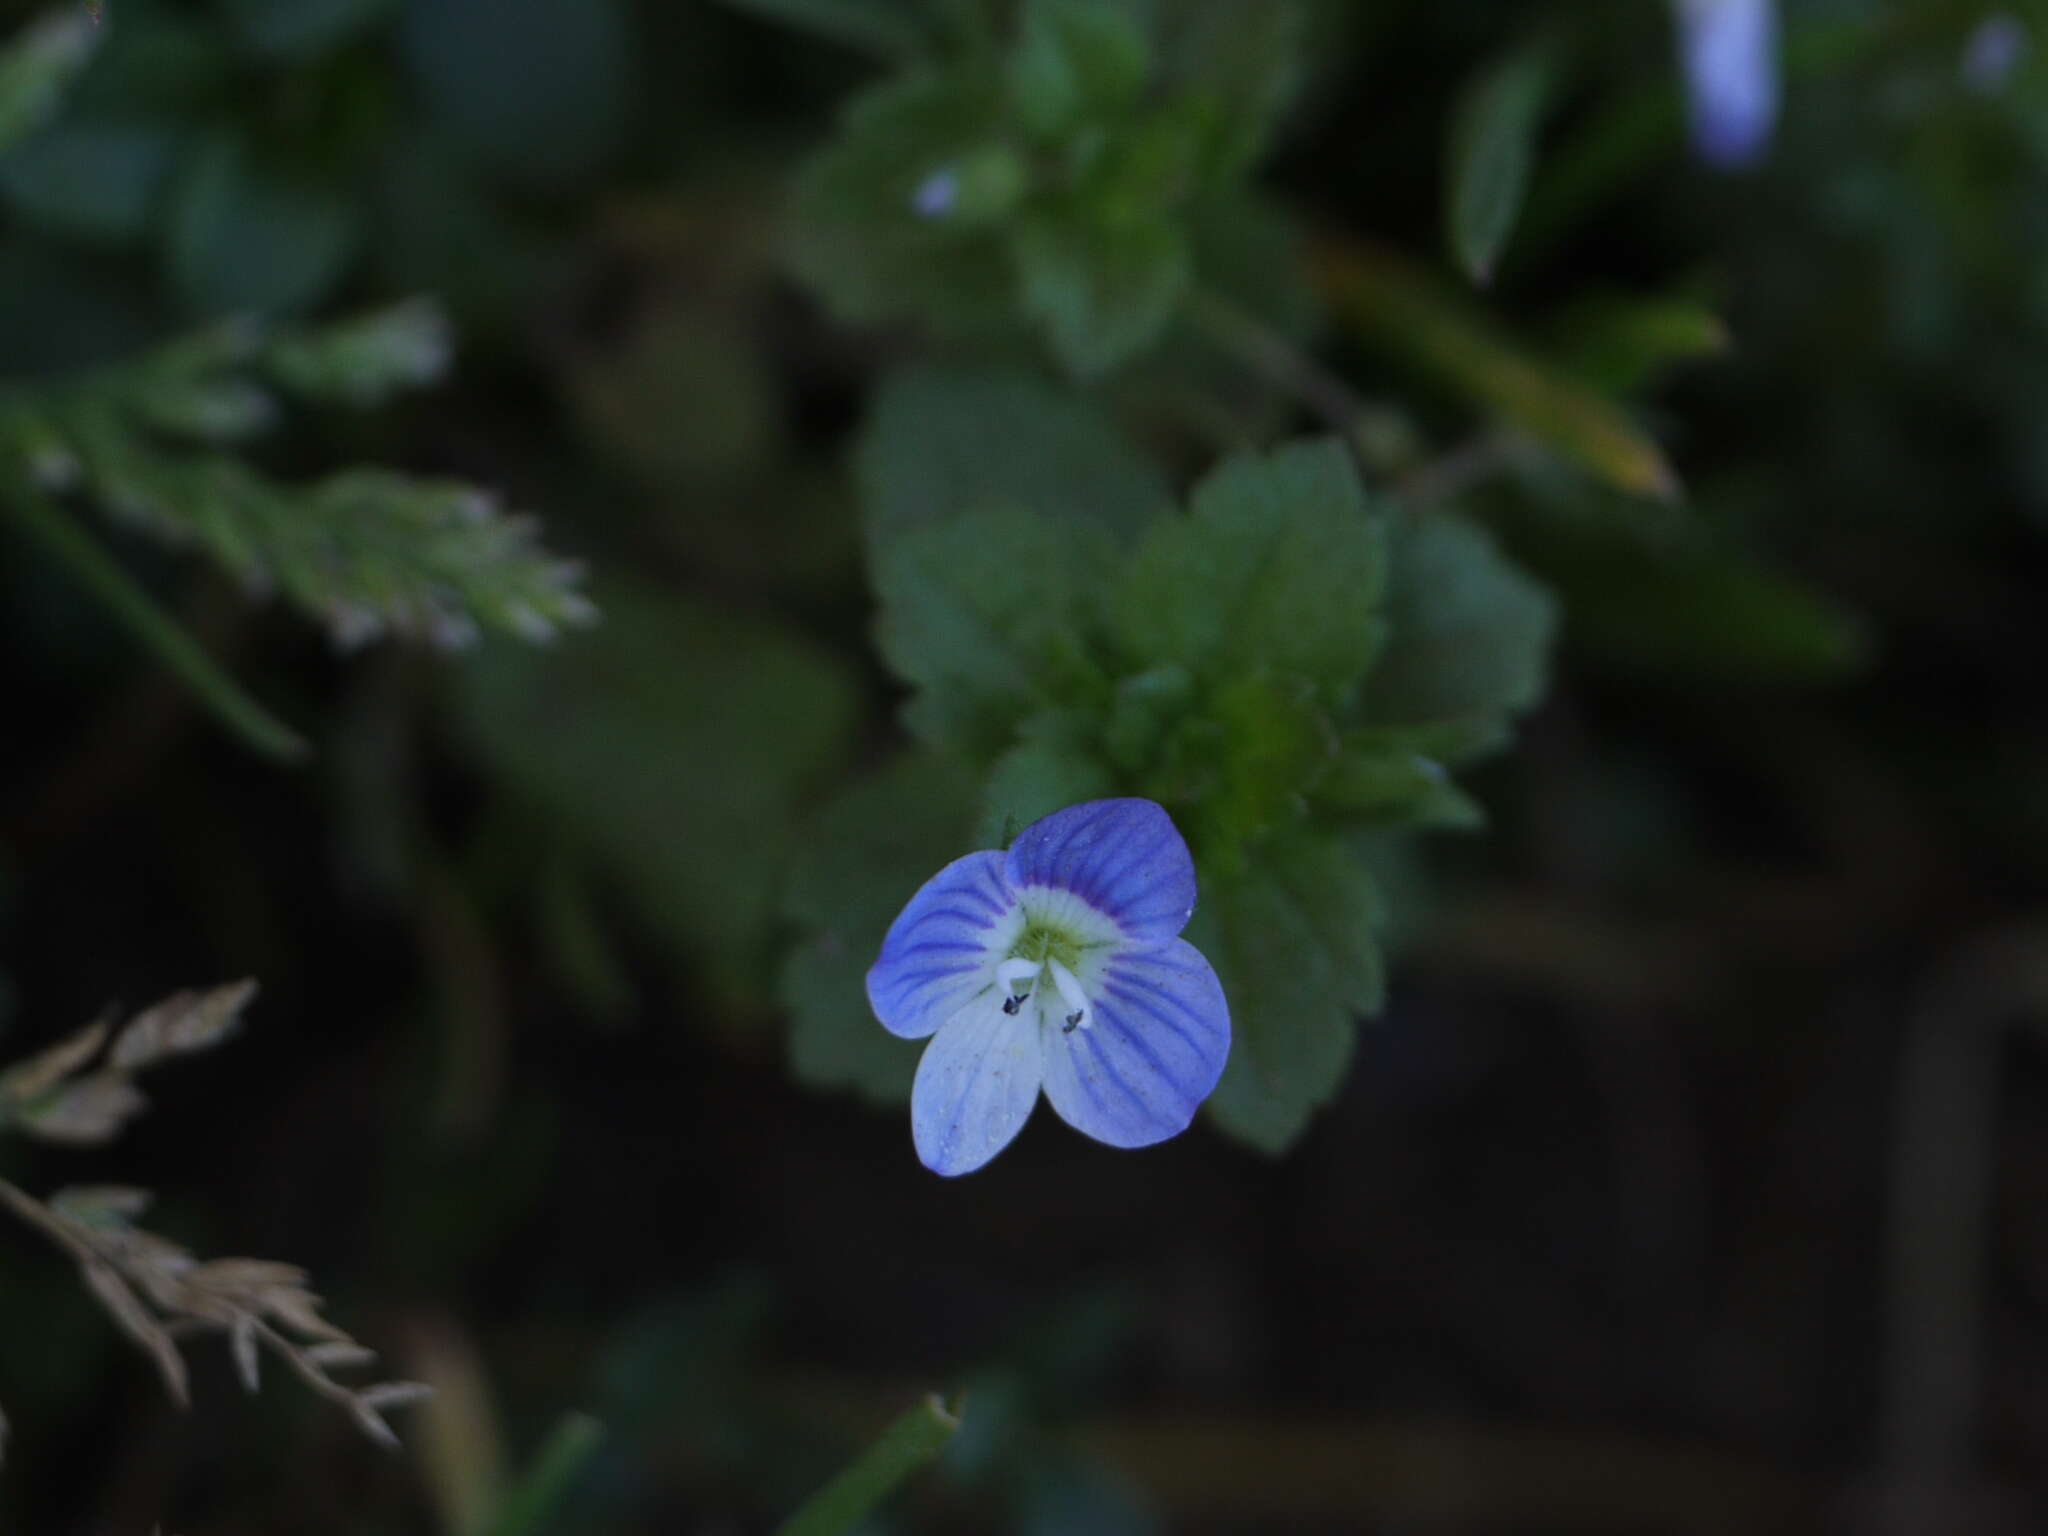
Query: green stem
column 908, row 1444
column 528, row 1508
column 125, row 599
column 1274, row 357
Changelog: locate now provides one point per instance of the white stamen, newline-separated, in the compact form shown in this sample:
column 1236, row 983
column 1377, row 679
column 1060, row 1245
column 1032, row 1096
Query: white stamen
column 1070, row 990
column 1010, row 972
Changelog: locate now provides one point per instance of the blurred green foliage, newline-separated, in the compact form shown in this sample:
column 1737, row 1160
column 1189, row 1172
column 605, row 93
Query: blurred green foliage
column 967, row 407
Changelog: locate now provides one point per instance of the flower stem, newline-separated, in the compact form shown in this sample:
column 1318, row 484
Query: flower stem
column 126, row 600
column 1278, row 360
column 528, row 1509
column 906, row 1445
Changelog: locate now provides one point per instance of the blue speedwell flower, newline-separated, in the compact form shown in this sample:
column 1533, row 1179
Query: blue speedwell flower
column 1058, row 965
column 1729, row 52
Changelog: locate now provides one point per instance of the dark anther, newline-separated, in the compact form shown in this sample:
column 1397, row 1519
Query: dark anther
column 1073, row 1019
column 1012, row 1004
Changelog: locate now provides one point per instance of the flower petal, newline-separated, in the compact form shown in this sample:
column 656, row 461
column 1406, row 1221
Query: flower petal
column 1729, row 52
column 1153, row 1053
column 1124, row 858
column 975, row 1087
column 942, row 949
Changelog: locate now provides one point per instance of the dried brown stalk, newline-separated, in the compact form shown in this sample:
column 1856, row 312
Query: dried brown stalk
column 154, row 1290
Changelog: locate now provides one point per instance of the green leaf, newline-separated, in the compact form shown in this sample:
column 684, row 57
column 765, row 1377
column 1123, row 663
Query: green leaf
column 539, row 89
column 533, row 1505
column 1142, row 171
column 1054, row 766
column 1235, row 770
column 1076, row 61
column 1445, row 741
column 1469, row 632
column 1370, row 784
column 913, row 1441
column 1280, row 563
column 1492, row 147
column 990, row 617
column 37, row 66
column 1292, row 938
column 942, row 442
column 856, row 233
column 302, row 29
column 1404, row 311
column 1624, row 344
column 1101, row 291
column 1241, row 65
column 699, row 735
column 859, row 860
column 1248, row 252
column 1695, row 610
column 96, row 181
column 242, row 239
column 888, row 29
column 1144, row 708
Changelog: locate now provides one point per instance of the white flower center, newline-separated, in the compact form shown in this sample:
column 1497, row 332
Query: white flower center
column 1021, row 980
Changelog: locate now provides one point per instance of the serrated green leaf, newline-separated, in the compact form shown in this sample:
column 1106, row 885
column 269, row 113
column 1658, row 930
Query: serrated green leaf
column 1293, row 940
column 857, row 235
column 1242, row 64
column 1280, row 563
column 1144, row 170
column 1143, row 709
column 1492, row 147
column 699, row 734
column 1374, row 787
column 1075, row 61
column 1102, row 292
column 38, row 64
column 859, row 860
column 1444, row 741
column 990, row 616
column 1238, row 765
column 1469, row 632
column 946, row 441
column 1052, row 767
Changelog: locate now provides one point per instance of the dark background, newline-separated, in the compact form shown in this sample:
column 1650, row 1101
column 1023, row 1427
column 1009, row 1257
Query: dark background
column 1692, row 1179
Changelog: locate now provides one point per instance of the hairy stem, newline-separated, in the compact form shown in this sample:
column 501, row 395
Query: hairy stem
column 1279, row 361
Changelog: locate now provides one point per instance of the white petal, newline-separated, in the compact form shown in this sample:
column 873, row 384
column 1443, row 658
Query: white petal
column 975, row 1086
